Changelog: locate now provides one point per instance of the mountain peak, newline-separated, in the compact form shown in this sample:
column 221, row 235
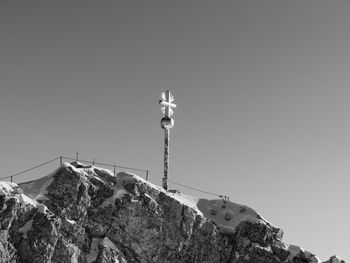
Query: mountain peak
column 83, row 213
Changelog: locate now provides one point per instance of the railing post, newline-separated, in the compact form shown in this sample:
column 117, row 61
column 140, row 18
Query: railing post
column 147, row 175
column 11, row 179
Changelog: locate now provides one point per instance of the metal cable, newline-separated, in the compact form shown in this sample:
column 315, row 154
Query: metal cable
column 105, row 164
column 116, row 166
column 30, row 169
column 189, row 187
column 195, row 189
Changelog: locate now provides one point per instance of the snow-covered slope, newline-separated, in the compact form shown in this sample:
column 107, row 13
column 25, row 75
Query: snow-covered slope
column 87, row 214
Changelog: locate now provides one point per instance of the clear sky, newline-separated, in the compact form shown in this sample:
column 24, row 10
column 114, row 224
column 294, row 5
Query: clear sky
column 262, row 89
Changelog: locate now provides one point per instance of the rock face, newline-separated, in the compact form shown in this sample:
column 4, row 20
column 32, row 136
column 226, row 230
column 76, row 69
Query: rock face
column 83, row 214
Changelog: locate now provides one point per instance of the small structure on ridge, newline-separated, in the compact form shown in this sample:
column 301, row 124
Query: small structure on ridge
column 166, row 123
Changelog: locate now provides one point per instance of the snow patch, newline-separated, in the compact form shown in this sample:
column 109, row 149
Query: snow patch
column 267, row 248
column 26, row 199
column 118, row 188
column 75, row 253
column 91, row 257
column 315, row 259
column 226, row 215
column 123, row 176
column 7, row 188
column 41, row 207
column 281, row 245
column 109, row 172
column 11, row 188
column 108, row 243
column 73, row 222
column 71, row 166
column 119, row 192
column 187, row 200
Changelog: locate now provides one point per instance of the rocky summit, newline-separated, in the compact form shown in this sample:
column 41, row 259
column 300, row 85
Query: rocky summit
column 85, row 214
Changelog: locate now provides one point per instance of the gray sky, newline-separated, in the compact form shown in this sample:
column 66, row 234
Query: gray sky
column 262, row 89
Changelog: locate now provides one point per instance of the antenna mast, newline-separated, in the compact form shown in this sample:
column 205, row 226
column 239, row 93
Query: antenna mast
column 166, row 123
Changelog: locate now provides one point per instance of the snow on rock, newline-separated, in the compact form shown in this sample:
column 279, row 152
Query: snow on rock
column 118, row 194
column 37, row 189
column 41, row 208
column 314, row 259
column 281, row 245
column 98, row 216
column 125, row 179
column 109, row 252
column 71, row 221
column 119, row 188
column 107, row 242
column 7, row 188
column 92, row 255
column 187, row 200
column 25, row 199
column 90, row 170
column 295, row 250
column 12, row 189
column 226, row 215
column 334, row 259
column 74, row 253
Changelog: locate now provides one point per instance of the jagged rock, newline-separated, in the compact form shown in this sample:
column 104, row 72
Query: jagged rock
column 108, row 252
column 28, row 232
column 335, row 259
column 85, row 214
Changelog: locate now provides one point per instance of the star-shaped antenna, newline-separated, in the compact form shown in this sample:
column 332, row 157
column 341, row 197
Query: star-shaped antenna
column 166, row 101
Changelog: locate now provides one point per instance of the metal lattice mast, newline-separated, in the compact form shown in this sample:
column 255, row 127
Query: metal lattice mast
column 166, row 123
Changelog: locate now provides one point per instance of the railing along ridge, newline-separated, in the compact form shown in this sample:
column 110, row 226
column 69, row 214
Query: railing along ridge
column 114, row 166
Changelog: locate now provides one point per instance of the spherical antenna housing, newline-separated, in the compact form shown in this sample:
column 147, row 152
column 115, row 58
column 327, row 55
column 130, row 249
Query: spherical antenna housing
column 167, row 123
